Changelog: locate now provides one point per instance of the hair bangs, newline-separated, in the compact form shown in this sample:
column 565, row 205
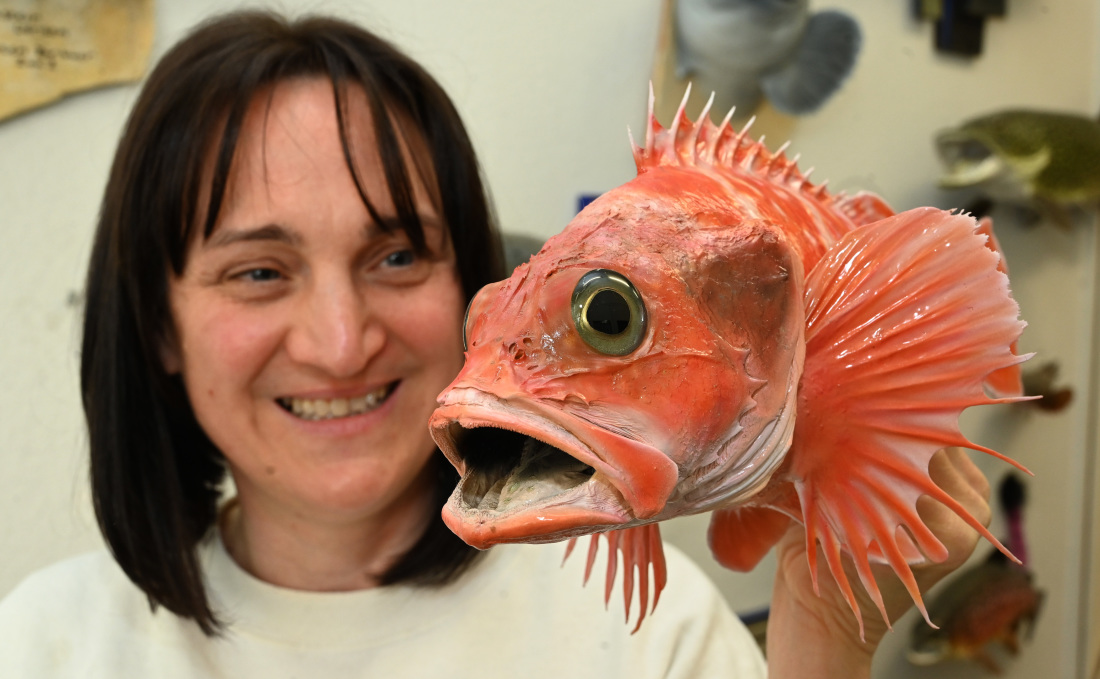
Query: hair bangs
column 342, row 70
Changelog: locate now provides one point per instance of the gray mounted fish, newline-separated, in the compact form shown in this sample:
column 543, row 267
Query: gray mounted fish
column 1044, row 160
column 749, row 49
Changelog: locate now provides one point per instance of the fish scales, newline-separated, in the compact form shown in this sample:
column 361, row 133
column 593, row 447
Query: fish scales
column 720, row 334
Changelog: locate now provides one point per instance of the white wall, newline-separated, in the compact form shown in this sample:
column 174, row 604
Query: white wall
column 547, row 89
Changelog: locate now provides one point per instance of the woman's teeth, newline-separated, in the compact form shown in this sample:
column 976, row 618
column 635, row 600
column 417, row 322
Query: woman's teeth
column 330, row 409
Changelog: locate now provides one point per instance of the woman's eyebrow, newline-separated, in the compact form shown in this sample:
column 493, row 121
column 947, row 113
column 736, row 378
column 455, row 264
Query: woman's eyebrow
column 385, row 224
column 268, row 232
column 393, row 224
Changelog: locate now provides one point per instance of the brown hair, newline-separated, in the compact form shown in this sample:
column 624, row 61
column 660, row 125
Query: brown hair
column 155, row 475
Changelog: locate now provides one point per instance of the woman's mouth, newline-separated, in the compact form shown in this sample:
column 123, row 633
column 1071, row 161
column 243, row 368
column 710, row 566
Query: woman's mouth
column 335, row 408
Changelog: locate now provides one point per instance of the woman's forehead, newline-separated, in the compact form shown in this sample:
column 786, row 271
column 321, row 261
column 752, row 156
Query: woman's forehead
column 294, row 107
column 286, row 124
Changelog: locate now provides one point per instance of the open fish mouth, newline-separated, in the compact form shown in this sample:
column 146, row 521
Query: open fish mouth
column 968, row 161
column 507, row 469
column 525, row 478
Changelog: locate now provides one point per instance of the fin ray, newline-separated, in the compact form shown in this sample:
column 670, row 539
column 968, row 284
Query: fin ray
column 639, row 548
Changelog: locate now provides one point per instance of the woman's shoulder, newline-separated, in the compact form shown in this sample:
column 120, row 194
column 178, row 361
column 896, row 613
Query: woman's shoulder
column 71, row 583
column 53, row 613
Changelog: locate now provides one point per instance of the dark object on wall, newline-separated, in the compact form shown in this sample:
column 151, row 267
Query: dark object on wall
column 1039, row 382
column 984, row 604
column 960, row 24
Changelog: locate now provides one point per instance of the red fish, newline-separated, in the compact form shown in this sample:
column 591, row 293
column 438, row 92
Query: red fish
column 719, row 334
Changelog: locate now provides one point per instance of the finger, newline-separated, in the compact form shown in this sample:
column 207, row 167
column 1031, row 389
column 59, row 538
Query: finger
column 964, row 464
column 953, row 471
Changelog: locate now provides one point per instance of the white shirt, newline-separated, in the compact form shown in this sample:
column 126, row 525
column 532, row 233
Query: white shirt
column 516, row 613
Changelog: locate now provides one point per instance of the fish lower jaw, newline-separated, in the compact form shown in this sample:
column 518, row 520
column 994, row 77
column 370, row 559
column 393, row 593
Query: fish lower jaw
column 548, row 523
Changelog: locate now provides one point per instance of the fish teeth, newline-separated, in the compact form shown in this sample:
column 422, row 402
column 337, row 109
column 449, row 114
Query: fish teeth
column 330, row 409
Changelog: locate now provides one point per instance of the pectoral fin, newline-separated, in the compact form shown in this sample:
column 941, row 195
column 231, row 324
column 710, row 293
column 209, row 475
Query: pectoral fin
column 740, row 537
column 907, row 318
column 641, row 548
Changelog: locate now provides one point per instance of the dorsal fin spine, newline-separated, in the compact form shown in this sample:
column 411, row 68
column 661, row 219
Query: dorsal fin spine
column 753, row 153
column 792, row 164
column 700, row 127
column 672, row 141
column 777, row 157
column 651, row 124
column 744, row 130
column 723, row 130
column 804, row 181
column 701, row 142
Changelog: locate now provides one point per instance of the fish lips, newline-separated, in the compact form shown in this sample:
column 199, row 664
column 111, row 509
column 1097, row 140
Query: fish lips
column 527, row 477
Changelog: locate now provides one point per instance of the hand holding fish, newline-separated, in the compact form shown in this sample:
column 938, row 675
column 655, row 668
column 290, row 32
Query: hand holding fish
column 820, row 624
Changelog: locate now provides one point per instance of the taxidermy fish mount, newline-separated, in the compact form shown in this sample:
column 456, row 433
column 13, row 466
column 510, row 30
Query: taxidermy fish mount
column 983, row 604
column 746, row 50
column 722, row 335
column 1040, row 383
column 1047, row 162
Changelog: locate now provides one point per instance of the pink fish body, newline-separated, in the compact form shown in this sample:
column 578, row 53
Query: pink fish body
column 719, row 334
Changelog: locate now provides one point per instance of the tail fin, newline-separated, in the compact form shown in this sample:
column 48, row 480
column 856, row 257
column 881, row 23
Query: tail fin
column 906, row 319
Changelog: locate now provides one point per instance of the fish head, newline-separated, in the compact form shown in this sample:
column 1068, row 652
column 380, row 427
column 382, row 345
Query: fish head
column 928, row 645
column 1002, row 154
column 642, row 365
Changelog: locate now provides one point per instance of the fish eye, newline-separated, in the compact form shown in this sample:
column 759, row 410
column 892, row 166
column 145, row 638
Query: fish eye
column 466, row 322
column 608, row 312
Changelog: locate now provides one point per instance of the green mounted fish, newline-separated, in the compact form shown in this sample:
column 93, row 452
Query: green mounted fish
column 1048, row 161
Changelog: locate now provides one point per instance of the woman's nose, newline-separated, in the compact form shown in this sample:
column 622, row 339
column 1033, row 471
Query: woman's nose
column 334, row 330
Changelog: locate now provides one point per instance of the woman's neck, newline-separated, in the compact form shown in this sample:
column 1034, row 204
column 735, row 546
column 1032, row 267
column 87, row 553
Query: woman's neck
column 284, row 548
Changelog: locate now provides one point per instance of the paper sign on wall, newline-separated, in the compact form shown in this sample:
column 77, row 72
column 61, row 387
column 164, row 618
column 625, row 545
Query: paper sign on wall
column 50, row 48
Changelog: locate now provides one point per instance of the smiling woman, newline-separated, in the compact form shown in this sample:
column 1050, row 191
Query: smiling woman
column 292, row 228
column 299, row 198
column 300, row 302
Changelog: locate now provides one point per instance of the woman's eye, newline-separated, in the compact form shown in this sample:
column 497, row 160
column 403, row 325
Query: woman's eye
column 401, row 258
column 260, row 275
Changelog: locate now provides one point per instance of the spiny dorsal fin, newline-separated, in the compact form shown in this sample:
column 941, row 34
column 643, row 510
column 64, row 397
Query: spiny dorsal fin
column 703, row 144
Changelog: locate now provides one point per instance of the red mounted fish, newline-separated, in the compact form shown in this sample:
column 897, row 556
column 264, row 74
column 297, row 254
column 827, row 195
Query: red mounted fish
column 719, row 334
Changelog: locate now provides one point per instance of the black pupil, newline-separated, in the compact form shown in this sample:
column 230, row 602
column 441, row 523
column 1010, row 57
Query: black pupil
column 608, row 313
